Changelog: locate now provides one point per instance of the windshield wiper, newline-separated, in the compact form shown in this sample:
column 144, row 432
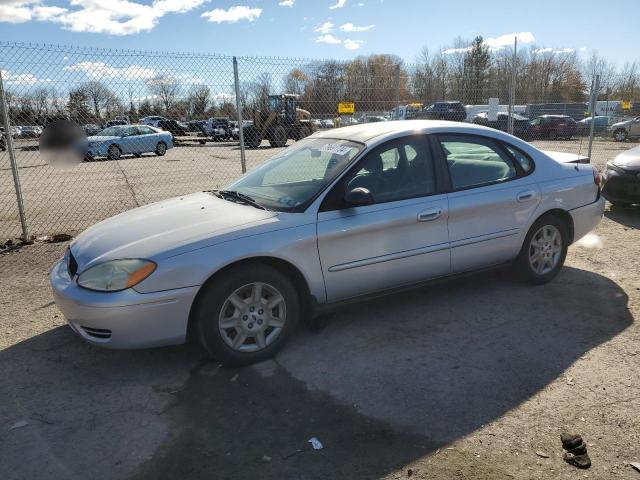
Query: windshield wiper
column 239, row 196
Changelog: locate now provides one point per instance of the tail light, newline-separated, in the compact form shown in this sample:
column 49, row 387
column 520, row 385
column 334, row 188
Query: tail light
column 596, row 176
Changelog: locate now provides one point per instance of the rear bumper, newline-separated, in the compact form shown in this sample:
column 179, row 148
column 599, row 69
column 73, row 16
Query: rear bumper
column 125, row 319
column 587, row 218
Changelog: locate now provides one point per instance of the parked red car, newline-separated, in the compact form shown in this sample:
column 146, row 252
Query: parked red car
column 553, row 126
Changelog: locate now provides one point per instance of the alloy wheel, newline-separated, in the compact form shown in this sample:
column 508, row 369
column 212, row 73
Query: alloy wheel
column 252, row 317
column 545, row 249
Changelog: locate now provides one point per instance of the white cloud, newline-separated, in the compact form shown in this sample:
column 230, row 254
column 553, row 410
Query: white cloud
column 451, row 51
column 16, row 11
column 115, row 17
column 554, row 51
column 539, row 51
column 350, row 27
column 360, row 4
column 328, row 38
column 177, row 6
column 233, row 14
column 352, row 44
column 325, row 28
column 287, row 3
column 495, row 43
column 508, row 39
column 340, row 4
column 27, row 79
column 103, row 70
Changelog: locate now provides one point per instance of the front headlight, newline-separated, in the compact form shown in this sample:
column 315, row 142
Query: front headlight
column 116, row 275
column 615, row 168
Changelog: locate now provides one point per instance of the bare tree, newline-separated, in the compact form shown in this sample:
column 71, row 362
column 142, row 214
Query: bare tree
column 167, row 89
column 296, row 82
column 99, row 96
column 198, row 100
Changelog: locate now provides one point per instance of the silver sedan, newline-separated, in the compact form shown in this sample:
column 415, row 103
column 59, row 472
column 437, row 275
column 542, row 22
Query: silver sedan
column 342, row 214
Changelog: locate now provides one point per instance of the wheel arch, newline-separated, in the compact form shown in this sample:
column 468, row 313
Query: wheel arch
column 298, row 279
column 562, row 215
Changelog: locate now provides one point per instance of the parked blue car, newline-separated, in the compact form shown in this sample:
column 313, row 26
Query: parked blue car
column 113, row 142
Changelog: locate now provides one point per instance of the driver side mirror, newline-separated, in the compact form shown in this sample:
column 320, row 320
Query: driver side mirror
column 358, row 197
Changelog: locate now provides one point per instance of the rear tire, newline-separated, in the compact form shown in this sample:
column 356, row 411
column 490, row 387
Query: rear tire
column 543, row 251
column 234, row 321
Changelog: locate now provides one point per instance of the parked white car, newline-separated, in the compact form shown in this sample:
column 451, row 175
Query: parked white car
column 339, row 215
column 152, row 120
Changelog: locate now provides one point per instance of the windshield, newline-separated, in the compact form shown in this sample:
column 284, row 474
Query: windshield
column 296, row 175
column 111, row 132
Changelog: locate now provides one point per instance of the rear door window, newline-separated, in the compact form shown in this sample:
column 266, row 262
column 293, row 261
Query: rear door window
column 475, row 161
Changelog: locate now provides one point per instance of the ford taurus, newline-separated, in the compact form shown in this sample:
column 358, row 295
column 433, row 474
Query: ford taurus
column 342, row 214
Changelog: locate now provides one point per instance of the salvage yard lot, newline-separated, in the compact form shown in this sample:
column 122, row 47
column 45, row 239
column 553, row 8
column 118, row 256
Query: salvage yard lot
column 470, row 378
column 464, row 379
column 79, row 197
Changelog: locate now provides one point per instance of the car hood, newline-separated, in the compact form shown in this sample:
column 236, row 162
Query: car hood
column 620, row 124
column 629, row 159
column 99, row 139
column 150, row 231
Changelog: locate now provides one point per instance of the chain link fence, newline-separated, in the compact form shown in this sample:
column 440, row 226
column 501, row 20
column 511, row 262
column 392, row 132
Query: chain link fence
column 171, row 123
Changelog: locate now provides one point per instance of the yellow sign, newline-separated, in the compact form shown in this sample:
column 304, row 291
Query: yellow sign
column 346, row 107
column 626, row 105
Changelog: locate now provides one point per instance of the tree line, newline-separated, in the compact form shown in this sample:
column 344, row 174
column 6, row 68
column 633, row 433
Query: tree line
column 469, row 71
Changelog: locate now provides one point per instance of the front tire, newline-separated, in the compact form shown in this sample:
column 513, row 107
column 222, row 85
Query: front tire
column 252, row 137
column 246, row 314
column 161, row 149
column 544, row 250
column 278, row 138
column 114, row 152
column 620, row 135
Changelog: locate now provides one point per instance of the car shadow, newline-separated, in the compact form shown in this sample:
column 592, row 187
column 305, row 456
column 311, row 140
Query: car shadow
column 384, row 383
column 627, row 216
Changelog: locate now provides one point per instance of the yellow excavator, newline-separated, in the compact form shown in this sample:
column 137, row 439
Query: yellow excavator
column 283, row 120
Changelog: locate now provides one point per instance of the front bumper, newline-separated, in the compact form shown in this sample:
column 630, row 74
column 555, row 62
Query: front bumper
column 622, row 187
column 125, row 319
column 96, row 150
column 587, row 218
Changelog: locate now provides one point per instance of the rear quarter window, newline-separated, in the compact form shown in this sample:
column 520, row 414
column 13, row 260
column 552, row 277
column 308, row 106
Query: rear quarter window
column 522, row 158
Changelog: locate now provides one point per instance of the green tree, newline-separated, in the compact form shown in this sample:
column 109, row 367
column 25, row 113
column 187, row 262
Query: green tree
column 477, row 65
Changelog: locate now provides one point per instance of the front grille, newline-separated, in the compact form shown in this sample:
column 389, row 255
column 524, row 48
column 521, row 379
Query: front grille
column 101, row 333
column 72, row 265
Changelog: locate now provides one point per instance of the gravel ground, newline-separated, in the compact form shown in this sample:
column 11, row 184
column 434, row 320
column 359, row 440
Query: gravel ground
column 462, row 379
column 54, row 197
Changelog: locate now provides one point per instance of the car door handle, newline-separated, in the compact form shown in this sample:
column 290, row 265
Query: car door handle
column 429, row 215
column 526, row 195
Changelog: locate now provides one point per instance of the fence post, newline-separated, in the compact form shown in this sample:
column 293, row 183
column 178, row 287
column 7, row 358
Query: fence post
column 4, row 110
column 239, row 110
column 512, row 87
column 397, row 113
column 595, row 87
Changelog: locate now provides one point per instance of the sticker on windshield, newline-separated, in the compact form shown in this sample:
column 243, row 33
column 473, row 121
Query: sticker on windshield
column 335, row 149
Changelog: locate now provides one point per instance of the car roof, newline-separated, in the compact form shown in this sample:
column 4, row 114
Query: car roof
column 365, row 132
